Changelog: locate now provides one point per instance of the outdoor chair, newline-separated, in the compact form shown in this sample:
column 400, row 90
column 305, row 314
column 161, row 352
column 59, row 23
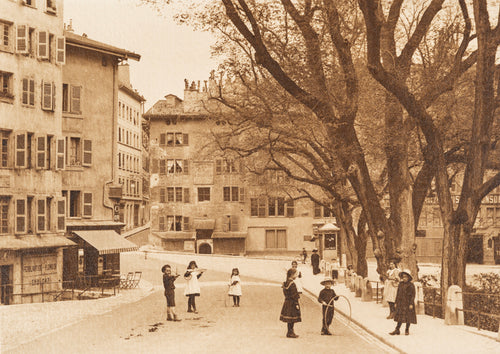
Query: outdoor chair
column 136, row 280
column 126, row 280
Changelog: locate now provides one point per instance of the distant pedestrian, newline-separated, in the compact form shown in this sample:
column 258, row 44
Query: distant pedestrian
column 315, row 261
column 391, row 287
column 304, row 255
column 298, row 281
column 290, row 312
column 235, row 287
column 405, row 303
column 168, row 284
column 193, row 273
column 327, row 297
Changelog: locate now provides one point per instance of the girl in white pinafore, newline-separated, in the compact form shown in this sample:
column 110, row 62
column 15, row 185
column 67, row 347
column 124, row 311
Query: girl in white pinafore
column 193, row 286
column 235, row 287
column 391, row 287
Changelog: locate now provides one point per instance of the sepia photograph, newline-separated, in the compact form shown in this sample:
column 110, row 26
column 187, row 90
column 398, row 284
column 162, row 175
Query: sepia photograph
column 249, row 176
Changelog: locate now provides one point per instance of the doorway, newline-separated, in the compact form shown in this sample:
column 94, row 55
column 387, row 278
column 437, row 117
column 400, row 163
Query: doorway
column 205, row 248
column 6, row 284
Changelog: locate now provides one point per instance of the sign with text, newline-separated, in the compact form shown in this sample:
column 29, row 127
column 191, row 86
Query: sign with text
column 40, row 271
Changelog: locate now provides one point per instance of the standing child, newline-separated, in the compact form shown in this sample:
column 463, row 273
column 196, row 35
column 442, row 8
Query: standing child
column 404, row 305
column 298, row 281
column 290, row 312
column 235, row 287
column 168, row 284
column 391, row 287
column 326, row 297
column 193, row 286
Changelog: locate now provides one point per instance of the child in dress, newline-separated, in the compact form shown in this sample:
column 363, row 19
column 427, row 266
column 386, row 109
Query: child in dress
column 405, row 303
column 290, row 312
column 325, row 298
column 168, row 284
column 235, row 287
column 192, row 287
column 298, row 281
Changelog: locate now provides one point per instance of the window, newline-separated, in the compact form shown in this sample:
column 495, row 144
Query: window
column 41, row 214
column 43, row 45
column 29, row 2
column 22, row 37
column 204, row 194
column 276, row 238
column 87, row 152
column 330, row 242
column 5, row 36
column 48, row 93
column 71, row 99
column 50, row 6
column 61, row 50
column 176, row 223
column 4, row 136
column 21, row 146
column 231, row 223
column 161, row 223
column 276, row 206
column 74, row 204
column 28, row 94
column 176, row 166
column 61, row 215
column 87, row 205
column 225, row 166
column 321, row 211
column 6, row 85
column 258, row 207
column 60, row 154
column 41, row 152
column 233, row 194
column 4, row 214
column 21, row 214
column 73, row 152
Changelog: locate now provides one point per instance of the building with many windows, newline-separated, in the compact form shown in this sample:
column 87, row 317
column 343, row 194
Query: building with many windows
column 204, row 202
column 32, row 207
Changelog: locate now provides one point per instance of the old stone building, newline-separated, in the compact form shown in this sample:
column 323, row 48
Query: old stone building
column 32, row 220
column 203, row 201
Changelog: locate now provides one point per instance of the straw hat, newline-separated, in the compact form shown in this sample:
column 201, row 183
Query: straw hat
column 407, row 272
column 315, row 250
column 327, row 280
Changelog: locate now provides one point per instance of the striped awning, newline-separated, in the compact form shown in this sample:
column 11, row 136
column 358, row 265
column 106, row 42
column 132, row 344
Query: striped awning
column 107, row 241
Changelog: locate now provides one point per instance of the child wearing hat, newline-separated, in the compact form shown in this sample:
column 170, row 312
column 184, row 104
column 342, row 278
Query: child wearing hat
column 168, row 284
column 404, row 304
column 326, row 297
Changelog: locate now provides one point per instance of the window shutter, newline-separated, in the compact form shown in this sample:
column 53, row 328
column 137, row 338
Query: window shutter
column 218, row 166
column 76, row 99
column 186, row 167
column 163, row 139
column 61, row 50
column 21, row 144
column 22, row 39
column 31, row 93
column 25, row 95
column 161, row 223
column 234, row 223
column 87, row 152
column 60, row 149
column 41, row 150
column 61, row 215
column 290, row 209
column 20, row 216
column 185, row 139
column 186, row 195
column 47, row 96
column 162, row 195
column 43, row 45
column 40, row 214
column 225, row 223
column 186, row 226
column 87, row 205
column 154, row 165
column 242, row 195
column 163, row 167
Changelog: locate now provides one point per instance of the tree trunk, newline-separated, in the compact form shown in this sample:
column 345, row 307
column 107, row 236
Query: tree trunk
column 344, row 218
column 362, row 266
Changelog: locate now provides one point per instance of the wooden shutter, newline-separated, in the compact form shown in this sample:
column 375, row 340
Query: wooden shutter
column 21, row 148
column 163, row 195
column 76, row 99
column 61, row 50
column 22, row 39
column 31, row 92
column 163, row 139
column 43, row 44
column 61, row 214
column 41, row 214
column 242, row 195
column 47, row 95
column 161, row 223
column 234, row 223
column 218, row 166
column 25, row 94
column 186, row 195
column 87, row 205
column 163, row 167
column 186, row 226
column 41, row 151
column 185, row 139
column 60, row 154
column 87, row 152
column 290, row 208
column 21, row 211
column 186, row 167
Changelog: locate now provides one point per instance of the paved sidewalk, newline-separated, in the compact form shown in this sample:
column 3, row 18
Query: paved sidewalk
column 427, row 336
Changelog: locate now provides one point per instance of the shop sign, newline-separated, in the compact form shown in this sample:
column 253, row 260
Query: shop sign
column 40, row 271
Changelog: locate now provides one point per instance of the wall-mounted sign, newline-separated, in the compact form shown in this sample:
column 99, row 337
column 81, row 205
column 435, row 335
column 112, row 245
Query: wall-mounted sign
column 40, row 272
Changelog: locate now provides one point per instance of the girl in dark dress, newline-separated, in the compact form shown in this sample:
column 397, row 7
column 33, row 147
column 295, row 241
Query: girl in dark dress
column 290, row 312
column 404, row 304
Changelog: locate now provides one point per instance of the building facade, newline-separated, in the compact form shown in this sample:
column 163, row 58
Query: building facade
column 130, row 152
column 204, row 202
column 32, row 220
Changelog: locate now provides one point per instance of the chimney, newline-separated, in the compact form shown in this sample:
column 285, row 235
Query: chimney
column 124, row 74
column 69, row 27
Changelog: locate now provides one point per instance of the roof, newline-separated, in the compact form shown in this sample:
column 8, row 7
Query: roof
column 76, row 40
column 132, row 92
column 74, row 223
column 33, row 241
column 106, row 241
column 175, row 235
column 329, row 227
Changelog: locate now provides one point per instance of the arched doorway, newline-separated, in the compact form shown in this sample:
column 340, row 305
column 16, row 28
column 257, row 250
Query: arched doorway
column 205, row 248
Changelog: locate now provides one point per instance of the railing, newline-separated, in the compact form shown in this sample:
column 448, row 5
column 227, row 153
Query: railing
column 433, row 304
column 377, row 291
column 478, row 312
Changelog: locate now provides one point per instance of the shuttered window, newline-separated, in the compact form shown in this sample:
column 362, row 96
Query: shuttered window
column 87, row 152
column 20, row 216
column 87, row 205
column 61, row 50
column 43, row 45
column 61, row 215
column 22, row 39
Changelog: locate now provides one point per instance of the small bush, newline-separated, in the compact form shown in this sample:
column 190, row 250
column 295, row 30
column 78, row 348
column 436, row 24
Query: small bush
column 476, row 299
